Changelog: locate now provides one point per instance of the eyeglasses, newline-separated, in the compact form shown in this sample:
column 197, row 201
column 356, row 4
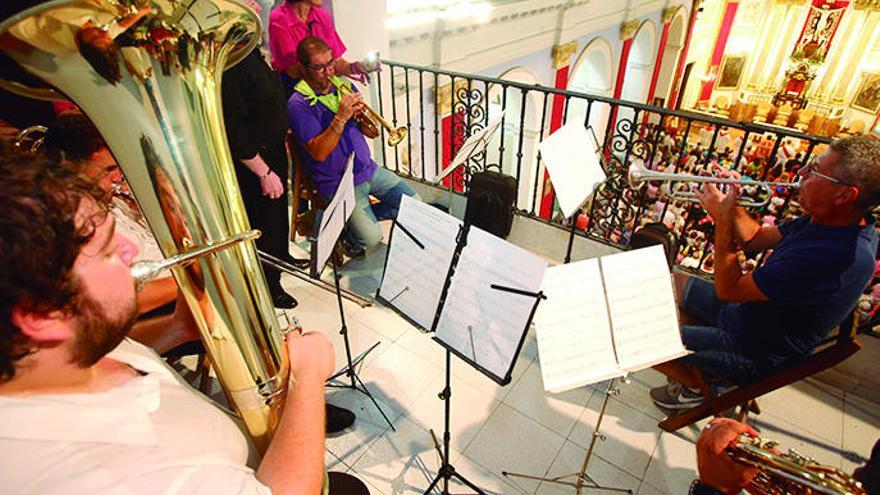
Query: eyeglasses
column 321, row 67
column 810, row 169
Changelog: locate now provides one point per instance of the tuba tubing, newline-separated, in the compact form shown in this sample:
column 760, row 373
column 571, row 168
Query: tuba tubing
column 148, row 73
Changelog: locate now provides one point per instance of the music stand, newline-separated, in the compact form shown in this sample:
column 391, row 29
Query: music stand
column 573, row 160
column 333, row 220
column 447, row 470
column 582, row 480
column 473, row 145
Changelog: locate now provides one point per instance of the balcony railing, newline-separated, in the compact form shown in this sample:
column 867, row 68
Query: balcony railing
column 440, row 109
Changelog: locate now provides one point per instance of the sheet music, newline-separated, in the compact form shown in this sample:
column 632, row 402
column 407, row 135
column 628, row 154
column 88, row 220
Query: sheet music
column 414, row 277
column 571, row 155
column 486, row 324
column 573, row 330
column 642, row 306
column 335, row 216
column 472, row 145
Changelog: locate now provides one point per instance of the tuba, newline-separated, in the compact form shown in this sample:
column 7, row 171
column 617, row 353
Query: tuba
column 147, row 73
column 790, row 472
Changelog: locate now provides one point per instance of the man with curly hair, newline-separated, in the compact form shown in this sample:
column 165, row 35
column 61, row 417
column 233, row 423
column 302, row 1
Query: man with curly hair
column 85, row 410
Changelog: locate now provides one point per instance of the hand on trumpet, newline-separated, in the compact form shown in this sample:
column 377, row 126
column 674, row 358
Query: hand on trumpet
column 349, row 105
column 718, row 204
column 717, row 468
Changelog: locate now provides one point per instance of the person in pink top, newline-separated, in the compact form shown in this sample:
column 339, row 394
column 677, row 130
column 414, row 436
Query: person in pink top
column 295, row 20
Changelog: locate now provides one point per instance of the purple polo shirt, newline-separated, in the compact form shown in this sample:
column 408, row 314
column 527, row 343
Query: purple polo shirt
column 307, row 121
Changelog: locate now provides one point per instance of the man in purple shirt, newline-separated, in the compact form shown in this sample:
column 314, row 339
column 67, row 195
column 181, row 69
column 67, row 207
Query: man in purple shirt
column 321, row 119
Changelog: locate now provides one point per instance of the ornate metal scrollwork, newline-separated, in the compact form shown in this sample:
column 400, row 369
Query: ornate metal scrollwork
column 469, row 109
column 616, row 204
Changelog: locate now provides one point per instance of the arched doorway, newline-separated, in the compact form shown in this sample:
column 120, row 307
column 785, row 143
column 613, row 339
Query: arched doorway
column 592, row 75
column 520, row 133
column 671, row 53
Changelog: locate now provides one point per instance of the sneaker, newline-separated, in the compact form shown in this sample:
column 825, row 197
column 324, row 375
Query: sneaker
column 338, row 419
column 345, row 484
column 676, row 397
column 353, row 251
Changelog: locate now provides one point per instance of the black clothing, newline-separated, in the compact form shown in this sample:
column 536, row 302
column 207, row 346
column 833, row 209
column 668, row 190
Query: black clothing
column 256, row 122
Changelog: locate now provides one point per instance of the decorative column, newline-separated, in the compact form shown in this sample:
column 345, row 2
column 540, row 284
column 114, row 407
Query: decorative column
column 848, row 78
column 627, row 32
column 666, row 17
column 682, row 59
column 561, row 56
column 727, row 17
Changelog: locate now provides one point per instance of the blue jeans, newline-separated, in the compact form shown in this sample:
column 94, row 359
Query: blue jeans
column 716, row 351
column 363, row 228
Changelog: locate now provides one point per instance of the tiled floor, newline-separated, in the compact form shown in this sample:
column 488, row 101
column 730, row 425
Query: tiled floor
column 520, row 428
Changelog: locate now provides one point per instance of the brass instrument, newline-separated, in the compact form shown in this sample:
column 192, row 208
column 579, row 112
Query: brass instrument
column 31, row 138
column 147, row 73
column 678, row 186
column 790, row 473
column 367, row 118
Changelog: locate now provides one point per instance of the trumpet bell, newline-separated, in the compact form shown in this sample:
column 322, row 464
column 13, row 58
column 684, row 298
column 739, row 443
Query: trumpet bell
column 397, row 135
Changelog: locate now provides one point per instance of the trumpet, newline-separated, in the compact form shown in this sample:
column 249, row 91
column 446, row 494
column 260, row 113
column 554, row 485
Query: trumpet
column 367, row 121
column 790, row 472
column 678, row 186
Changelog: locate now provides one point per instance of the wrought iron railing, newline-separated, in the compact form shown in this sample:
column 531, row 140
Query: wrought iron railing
column 440, row 109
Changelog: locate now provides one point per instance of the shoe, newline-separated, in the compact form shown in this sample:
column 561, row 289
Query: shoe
column 302, row 264
column 346, row 484
column 353, row 251
column 283, row 300
column 338, row 419
column 675, row 397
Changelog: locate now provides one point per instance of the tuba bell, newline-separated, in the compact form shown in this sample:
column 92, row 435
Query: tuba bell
column 148, row 73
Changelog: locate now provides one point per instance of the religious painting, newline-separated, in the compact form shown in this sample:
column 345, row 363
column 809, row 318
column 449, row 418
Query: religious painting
column 819, row 28
column 868, row 95
column 731, row 71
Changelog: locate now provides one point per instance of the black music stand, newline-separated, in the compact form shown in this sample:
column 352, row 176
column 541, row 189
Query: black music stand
column 350, row 369
column 582, row 480
column 340, row 208
column 447, row 470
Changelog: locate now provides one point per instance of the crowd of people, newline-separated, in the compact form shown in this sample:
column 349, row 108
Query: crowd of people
column 88, row 405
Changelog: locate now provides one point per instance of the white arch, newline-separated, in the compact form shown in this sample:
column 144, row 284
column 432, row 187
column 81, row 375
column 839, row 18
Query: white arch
column 671, row 53
column 530, row 116
column 640, row 64
column 592, row 74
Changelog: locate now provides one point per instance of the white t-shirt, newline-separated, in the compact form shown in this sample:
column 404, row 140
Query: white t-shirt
column 151, row 435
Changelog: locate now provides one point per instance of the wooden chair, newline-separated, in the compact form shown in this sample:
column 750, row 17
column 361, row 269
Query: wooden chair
column 301, row 189
column 833, row 351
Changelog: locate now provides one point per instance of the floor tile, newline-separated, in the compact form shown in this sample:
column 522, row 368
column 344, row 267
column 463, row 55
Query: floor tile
column 630, row 436
column 470, row 408
column 510, row 441
column 558, row 412
column 673, row 465
column 400, row 462
column 349, row 446
column 489, row 480
column 807, row 442
column 570, row 460
column 861, row 429
column 806, row 406
column 399, row 377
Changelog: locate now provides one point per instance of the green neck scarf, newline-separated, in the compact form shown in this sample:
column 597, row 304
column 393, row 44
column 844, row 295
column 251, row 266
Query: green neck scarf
column 330, row 100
